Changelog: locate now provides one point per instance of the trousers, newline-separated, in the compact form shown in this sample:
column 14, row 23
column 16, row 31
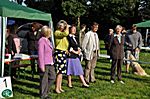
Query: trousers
column 89, row 68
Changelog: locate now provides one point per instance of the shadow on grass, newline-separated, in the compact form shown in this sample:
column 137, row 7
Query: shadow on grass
column 105, row 79
column 27, row 84
column 73, row 78
column 23, row 91
column 103, row 76
column 29, row 78
column 30, row 72
column 102, row 73
column 137, row 78
column 103, row 60
column 103, row 68
column 145, row 66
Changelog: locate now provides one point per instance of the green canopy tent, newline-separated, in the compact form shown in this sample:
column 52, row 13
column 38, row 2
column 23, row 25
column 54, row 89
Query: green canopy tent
column 13, row 10
column 145, row 25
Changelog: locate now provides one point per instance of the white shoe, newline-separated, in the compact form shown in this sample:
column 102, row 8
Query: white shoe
column 112, row 81
column 122, row 82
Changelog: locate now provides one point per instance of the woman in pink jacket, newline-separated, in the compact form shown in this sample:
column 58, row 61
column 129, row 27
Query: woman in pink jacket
column 45, row 60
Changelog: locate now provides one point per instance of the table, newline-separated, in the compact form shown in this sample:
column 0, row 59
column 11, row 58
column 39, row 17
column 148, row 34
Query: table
column 10, row 63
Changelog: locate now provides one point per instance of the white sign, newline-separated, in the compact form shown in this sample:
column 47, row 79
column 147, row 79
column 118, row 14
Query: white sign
column 5, row 87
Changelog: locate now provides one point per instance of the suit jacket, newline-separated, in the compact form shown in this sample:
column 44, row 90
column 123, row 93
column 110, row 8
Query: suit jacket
column 45, row 52
column 72, row 44
column 32, row 40
column 106, row 41
column 88, row 45
column 116, row 48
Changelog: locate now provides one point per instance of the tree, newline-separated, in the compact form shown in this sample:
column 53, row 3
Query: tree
column 144, row 10
column 115, row 11
column 74, row 8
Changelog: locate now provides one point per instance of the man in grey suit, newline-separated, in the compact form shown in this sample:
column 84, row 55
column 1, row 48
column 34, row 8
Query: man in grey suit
column 90, row 46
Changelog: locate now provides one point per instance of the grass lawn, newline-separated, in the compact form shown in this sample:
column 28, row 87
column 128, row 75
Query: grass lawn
column 135, row 87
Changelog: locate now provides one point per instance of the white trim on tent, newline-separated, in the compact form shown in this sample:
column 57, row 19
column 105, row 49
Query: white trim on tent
column 3, row 44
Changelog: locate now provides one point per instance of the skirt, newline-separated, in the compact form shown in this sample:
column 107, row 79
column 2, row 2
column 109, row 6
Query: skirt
column 60, row 61
column 74, row 67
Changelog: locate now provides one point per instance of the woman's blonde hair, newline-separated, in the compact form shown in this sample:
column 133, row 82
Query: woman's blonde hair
column 61, row 23
column 46, row 31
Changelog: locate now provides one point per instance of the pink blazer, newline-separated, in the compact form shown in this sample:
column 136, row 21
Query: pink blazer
column 45, row 52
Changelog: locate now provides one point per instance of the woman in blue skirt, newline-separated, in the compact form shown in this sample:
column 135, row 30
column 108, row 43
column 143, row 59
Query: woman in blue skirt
column 73, row 63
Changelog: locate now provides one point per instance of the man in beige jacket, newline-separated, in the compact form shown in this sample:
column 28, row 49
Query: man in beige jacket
column 90, row 46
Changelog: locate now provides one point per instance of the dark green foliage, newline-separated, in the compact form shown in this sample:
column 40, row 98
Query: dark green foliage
column 103, row 11
column 73, row 8
column 114, row 12
column 144, row 10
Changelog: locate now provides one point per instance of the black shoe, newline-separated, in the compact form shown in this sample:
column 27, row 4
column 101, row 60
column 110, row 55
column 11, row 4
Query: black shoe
column 70, row 86
column 83, row 86
column 93, row 81
column 87, row 83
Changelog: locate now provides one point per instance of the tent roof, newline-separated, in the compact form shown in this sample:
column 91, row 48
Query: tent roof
column 11, row 9
column 145, row 24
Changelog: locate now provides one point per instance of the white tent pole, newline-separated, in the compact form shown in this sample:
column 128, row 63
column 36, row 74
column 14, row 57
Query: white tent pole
column 52, row 34
column 3, row 43
column 147, row 30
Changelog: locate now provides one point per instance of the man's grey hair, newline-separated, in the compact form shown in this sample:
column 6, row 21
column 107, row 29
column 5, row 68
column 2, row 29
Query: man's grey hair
column 118, row 26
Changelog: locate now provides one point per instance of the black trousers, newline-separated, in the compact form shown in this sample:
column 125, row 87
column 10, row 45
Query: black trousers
column 116, row 63
column 47, row 78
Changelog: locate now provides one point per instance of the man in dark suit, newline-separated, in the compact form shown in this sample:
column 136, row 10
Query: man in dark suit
column 117, row 53
column 106, row 41
column 32, row 37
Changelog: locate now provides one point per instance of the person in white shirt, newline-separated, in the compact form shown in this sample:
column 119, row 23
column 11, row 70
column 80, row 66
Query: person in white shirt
column 90, row 47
